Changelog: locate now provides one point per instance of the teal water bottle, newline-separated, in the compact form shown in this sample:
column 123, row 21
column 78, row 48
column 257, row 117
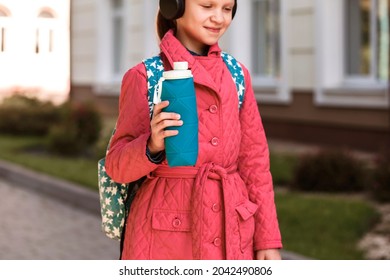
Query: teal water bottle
column 177, row 86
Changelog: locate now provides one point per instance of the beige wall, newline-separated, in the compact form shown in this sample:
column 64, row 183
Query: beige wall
column 83, row 43
column 301, row 44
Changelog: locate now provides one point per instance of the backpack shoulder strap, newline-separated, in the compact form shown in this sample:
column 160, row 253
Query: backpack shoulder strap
column 237, row 75
column 154, row 69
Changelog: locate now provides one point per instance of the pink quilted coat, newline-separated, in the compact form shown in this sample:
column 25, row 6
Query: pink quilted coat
column 223, row 208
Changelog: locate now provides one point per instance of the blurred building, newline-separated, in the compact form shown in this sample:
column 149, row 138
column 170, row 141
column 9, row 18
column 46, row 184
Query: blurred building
column 319, row 68
column 34, row 48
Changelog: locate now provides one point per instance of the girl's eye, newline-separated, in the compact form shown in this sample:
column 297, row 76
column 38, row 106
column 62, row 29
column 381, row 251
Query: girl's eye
column 228, row 9
column 206, row 6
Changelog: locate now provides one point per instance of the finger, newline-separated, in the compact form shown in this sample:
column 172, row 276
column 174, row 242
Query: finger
column 168, row 123
column 169, row 133
column 167, row 116
column 158, row 107
column 163, row 120
column 159, row 135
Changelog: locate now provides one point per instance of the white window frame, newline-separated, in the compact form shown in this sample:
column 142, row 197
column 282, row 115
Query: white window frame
column 267, row 79
column 139, row 41
column 267, row 89
column 46, row 30
column 108, row 82
column 333, row 86
column 117, row 59
column 4, row 29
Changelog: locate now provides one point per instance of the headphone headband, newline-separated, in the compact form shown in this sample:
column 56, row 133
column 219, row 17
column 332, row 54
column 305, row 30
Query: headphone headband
column 174, row 9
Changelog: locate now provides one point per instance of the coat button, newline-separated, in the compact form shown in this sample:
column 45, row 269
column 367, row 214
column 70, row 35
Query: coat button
column 213, row 109
column 215, row 141
column 216, row 207
column 217, row 242
column 176, row 222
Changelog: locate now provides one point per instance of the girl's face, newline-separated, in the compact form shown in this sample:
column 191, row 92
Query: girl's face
column 203, row 23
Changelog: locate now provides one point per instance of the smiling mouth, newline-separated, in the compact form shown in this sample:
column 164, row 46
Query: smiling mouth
column 214, row 30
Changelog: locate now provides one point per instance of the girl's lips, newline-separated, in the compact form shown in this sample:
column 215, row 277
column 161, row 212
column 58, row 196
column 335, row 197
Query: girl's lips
column 214, row 30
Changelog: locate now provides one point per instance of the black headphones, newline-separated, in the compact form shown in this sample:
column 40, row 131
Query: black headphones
column 174, row 9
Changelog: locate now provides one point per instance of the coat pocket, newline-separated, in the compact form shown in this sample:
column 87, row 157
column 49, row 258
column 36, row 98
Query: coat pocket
column 171, row 235
column 246, row 224
column 171, row 220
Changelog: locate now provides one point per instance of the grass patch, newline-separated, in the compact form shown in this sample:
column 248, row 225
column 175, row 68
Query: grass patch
column 75, row 169
column 79, row 170
column 324, row 227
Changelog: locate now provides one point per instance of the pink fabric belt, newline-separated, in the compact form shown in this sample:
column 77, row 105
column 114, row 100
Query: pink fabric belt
column 201, row 174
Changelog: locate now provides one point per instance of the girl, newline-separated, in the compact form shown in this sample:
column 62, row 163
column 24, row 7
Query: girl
column 223, row 208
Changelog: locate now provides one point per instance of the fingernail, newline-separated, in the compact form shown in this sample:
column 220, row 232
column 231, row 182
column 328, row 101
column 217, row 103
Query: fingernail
column 178, row 116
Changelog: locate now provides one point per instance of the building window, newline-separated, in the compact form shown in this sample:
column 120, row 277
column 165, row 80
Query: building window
column 266, row 42
column 44, row 34
column 117, row 34
column 2, row 39
column 352, row 53
column 3, row 29
column 367, row 39
column 263, row 25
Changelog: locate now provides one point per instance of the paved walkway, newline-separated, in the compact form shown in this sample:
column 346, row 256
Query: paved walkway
column 44, row 218
column 36, row 226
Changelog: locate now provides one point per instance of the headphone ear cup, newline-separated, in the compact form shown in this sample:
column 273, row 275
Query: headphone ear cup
column 172, row 9
column 234, row 9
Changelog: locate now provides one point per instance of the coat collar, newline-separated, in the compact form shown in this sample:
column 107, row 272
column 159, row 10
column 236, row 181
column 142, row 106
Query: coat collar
column 173, row 50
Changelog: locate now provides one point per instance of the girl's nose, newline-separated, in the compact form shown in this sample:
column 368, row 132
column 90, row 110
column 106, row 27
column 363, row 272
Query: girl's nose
column 217, row 16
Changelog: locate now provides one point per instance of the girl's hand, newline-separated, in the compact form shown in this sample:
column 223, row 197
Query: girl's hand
column 270, row 254
column 159, row 122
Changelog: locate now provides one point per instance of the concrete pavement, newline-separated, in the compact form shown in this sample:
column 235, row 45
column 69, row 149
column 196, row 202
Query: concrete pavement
column 44, row 218
column 39, row 220
column 38, row 227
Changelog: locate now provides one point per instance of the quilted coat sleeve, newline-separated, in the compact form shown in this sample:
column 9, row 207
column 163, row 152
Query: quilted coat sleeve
column 254, row 168
column 127, row 160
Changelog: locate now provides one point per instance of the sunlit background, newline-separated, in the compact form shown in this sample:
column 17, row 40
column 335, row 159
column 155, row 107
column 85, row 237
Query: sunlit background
column 319, row 69
column 34, row 48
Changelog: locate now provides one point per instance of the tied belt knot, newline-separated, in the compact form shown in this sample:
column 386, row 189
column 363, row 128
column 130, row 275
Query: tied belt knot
column 201, row 175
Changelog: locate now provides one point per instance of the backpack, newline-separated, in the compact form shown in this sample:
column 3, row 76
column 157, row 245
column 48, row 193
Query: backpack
column 116, row 198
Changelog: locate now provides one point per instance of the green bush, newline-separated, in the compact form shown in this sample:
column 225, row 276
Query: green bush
column 78, row 130
column 63, row 139
column 22, row 115
column 330, row 171
column 101, row 145
column 381, row 178
column 282, row 167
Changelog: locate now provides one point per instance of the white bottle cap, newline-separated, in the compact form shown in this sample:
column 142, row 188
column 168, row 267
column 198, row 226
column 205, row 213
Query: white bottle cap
column 180, row 71
column 180, row 65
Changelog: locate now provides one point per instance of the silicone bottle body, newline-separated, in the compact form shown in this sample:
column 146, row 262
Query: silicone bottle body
column 178, row 88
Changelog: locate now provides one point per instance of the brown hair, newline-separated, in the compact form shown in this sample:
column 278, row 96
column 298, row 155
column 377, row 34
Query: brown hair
column 164, row 25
